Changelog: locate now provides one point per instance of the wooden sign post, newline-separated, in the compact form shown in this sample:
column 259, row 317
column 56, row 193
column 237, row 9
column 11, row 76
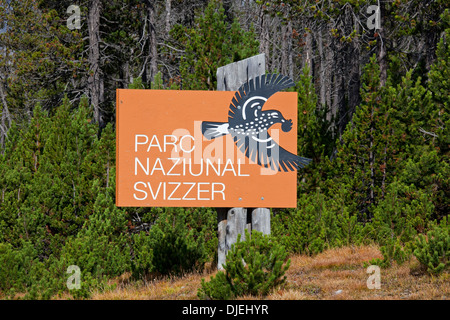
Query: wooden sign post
column 234, row 221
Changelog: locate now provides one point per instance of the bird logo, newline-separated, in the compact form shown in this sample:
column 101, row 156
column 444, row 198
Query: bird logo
column 248, row 124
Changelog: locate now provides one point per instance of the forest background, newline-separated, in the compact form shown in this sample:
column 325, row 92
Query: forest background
column 373, row 102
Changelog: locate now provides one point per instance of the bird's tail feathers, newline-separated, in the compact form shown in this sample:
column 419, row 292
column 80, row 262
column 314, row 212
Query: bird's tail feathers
column 302, row 161
column 212, row 130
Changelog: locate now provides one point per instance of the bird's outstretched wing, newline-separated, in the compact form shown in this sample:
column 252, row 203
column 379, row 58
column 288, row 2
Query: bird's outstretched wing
column 251, row 96
column 265, row 151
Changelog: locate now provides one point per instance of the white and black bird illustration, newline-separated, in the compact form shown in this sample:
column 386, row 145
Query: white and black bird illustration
column 248, row 124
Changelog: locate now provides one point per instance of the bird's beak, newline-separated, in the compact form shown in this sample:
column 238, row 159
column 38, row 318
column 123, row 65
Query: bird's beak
column 286, row 125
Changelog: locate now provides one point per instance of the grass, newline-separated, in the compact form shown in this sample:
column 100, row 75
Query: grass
column 334, row 274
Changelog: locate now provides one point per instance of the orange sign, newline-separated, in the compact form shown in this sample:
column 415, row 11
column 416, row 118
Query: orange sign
column 206, row 149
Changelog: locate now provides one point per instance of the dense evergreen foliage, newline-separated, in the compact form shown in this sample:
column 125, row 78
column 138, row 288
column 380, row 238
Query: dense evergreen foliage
column 380, row 171
column 254, row 266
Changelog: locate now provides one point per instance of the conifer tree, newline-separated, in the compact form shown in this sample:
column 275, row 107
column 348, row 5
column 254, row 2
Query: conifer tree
column 300, row 230
column 315, row 132
column 18, row 164
column 440, row 86
column 386, row 131
column 45, row 57
column 360, row 154
column 61, row 189
column 212, row 44
column 433, row 250
column 101, row 247
column 439, row 129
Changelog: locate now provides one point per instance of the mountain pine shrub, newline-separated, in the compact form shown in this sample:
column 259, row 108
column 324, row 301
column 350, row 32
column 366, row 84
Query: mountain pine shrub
column 218, row 288
column 142, row 256
column 299, row 229
column 180, row 240
column 253, row 267
column 16, row 265
column 319, row 222
column 398, row 218
column 433, row 250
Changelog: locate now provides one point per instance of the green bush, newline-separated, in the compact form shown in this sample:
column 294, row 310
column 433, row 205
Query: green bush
column 22, row 272
column 392, row 251
column 299, row 229
column 433, row 250
column 404, row 212
column 175, row 249
column 142, row 261
column 16, row 266
column 180, row 240
column 253, row 267
column 398, row 218
column 316, row 224
column 218, row 288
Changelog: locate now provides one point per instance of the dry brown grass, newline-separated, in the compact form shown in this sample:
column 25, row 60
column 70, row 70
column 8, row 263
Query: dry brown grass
column 333, row 274
column 180, row 288
column 340, row 274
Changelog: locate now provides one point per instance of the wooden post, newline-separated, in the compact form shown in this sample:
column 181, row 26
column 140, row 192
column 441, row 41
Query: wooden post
column 236, row 224
column 234, row 221
column 261, row 220
column 221, row 233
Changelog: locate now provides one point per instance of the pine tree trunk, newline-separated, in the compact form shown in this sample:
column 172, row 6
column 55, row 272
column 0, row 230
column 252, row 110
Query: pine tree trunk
column 354, row 83
column 338, row 98
column 322, row 79
column 5, row 121
column 382, row 53
column 308, row 56
column 95, row 80
column 329, row 75
column 275, row 59
column 290, row 52
column 431, row 40
column 287, row 65
column 168, row 12
column 125, row 74
column 264, row 36
column 153, row 44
